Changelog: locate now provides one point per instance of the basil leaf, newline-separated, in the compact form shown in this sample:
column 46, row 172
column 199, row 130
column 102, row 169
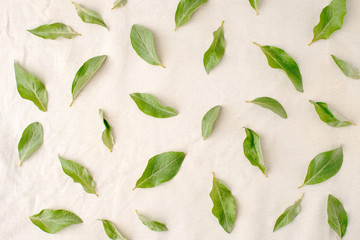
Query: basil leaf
column 278, row 58
column 216, row 51
column 79, row 174
column 288, row 215
column 324, row 166
column 30, row 141
column 119, row 3
column 185, row 9
column 337, row 217
column 89, row 16
column 84, row 74
column 252, row 150
column 112, row 231
column 150, row 106
column 152, row 225
column 224, row 208
column 331, row 20
column 208, row 121
column 31, row 88
column 53, row 31
column 161, row 168
column 271, row 104
column 107, row 136
column 52, row 221
column 327, row 116
column 255, row 5
column 142, row 41
column 348, row 69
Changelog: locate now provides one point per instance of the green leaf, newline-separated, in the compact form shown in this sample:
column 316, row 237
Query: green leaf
column 107, row 136
column 89, row 16
column 271, row 104
column 31, row 88
column 216, row 51
column 255, row 5
column 278, row 58
column 30, row 141
column 208, row 121
column 84, row 74
column 327, row 115
column 337, row 217
column 142, row 41
column 111, row 230
column 348, row 69
column 150, row 106
column 152, row 225
column 288, row 215
column 252, row 150
column 161, row 168
column 185, row 9
column 79, row 174
column 331, row 19
column 53, row 31
column 224, row 208
column 324, row 166
column 119, row 3
column 52, row 221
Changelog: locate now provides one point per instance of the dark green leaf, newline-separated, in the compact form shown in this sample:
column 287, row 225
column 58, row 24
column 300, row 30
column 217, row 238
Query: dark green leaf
column 152, row 225
column 52, row 221
column 255, row 5
column 31, row 88
column 107, row 136
column 161, row 168
column 84, row 74
column 79, row 174
column 208, row 121
column 89, row 16
column 252, row 150
column 216, row 51
column 30, row 141
column 278, row 58
column 270, row 104
column 185, row 9
column 337, row 217
column 224, row 208
column 111, row 230
column 119, row 3
column 324, row 166
column 150, row 106
column 348, row 69
column 53, row 31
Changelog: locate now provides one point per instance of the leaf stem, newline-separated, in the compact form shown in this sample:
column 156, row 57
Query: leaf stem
column 162, row 65
column 134, row 188
column 21, row 163
column 96, row 194
column 311, row 43
column 257, row 44
column 302, row 196
column 301, row 186
column 71, row 103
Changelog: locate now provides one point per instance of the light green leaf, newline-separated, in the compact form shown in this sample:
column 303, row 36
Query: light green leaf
column 150, row 106
column 89, row 16
column 119, row 3
column 31, row 88
column 324, row 166
column 79, row 174
column 208, row 121
column 271, row 104
column 152, row 225
column 107, row 136
column 185, row 9
column 255, row 5
column 216, row 51
column 348, row 69
column 331, row 20
column 252, row 150
column 52, row 221
column 337, row 217
column 53, row 31
column 142, row 41
column 328, row 116
column 224, row 208
column 288, row 215
column 278, row 58
column 84, row 74
column 161, row 168
column 111, row 230
column 30, row 141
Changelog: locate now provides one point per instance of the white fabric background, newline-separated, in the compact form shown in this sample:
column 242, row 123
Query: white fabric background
column 243, row 74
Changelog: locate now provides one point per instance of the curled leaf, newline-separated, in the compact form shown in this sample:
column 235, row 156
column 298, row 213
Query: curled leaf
column 348, row 69
column 271, row 104
column 54, row 31
column 107, row 136
column 208, row 121
column 30, row 141
column 216, row 51
column 185, row 9
column 111, row 231
column 150, row 106
column 89, row 16
column 252, row 150
column 337, row 216
column 255, row 5
column 119, row 3
column 151, row 224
